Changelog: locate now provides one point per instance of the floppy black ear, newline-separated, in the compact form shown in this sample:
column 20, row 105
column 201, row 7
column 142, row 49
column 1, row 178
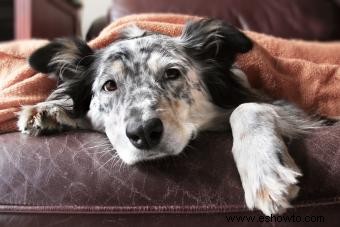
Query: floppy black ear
column 213, row 39
column 71, row 55
column 214, row 45
column 71, row 60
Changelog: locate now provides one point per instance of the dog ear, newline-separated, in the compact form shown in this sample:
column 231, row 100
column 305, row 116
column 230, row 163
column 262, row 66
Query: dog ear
column 71, row 60
column 65, row 57
column 214, row 45
column 214, row 40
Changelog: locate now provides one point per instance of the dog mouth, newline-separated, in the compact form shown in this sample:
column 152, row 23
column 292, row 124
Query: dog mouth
column 161, row 152
column 134, row 156
column 143, row 156
column 171, row 143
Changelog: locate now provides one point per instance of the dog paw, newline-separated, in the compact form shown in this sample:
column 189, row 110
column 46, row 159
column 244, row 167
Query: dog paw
column 273, row 187
column 273, row 194
column 37, row 120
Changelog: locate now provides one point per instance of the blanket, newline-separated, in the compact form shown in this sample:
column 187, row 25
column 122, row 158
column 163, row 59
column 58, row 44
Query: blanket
column 305, row 73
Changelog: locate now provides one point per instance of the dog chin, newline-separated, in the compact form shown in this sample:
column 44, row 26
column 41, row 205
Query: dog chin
column 135, row 156
column 131, row 158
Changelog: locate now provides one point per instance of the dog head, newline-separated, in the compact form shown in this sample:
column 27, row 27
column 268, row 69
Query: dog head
column 148, row 92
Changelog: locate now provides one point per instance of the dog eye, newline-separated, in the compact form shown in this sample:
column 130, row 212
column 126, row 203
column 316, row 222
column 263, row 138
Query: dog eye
column 172, row 74
column 110, row 85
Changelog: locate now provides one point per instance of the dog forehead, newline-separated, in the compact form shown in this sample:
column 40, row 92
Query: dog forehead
column 141, row 49
column 140, row 44
column 145, row 54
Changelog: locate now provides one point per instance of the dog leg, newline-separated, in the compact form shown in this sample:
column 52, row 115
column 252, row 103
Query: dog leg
column 46, row 117
column 267, row 171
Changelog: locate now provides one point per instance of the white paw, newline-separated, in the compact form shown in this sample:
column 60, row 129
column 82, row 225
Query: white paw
column 36, row 120
column 269, row 178
column 273, row 193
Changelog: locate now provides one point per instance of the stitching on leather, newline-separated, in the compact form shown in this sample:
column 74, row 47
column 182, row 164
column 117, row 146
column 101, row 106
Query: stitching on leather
column 141, row 209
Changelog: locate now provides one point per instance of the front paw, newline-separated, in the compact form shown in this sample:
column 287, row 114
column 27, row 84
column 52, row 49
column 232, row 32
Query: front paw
column 268, row 173
column 270, row 179
column 273, row 194
column 35, row 120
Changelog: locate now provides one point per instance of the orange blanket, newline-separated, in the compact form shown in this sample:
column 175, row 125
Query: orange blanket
column 306, row 73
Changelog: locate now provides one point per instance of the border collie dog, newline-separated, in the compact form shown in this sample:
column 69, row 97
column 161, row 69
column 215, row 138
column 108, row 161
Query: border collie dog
column 151, row 94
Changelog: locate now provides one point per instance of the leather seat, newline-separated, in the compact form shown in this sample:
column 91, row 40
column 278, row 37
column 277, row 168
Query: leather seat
column 69, row 179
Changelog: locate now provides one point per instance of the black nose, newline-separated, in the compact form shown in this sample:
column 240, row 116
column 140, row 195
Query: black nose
column 145, row 135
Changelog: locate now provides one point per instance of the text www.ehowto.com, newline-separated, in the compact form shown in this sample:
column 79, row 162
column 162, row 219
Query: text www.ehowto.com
column 276, row 218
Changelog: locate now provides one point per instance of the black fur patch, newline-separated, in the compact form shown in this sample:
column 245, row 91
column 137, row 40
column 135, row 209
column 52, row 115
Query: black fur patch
column 80, row 91
column 75, row 77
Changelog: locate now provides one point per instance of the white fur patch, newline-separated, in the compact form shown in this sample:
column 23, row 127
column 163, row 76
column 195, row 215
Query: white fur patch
column 268, row 173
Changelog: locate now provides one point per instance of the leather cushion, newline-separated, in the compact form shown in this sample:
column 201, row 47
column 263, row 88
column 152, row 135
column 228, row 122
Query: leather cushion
column 71, row 172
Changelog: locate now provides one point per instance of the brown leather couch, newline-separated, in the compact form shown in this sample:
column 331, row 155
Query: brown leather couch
column 69, row 180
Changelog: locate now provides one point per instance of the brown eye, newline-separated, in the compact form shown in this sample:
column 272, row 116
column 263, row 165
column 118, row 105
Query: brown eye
column 110, row 85
column 172, row 74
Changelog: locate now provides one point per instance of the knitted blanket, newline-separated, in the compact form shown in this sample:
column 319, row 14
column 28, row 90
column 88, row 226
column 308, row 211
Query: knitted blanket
column 306, row 73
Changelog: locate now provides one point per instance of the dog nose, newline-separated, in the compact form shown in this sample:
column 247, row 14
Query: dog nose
column 145, row 135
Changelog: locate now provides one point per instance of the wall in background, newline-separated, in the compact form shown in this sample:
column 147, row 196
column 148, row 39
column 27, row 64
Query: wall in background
column 6, row 20
column 93, row 9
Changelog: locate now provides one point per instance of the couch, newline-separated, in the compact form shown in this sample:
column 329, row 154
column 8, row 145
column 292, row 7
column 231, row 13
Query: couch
column 70, row 179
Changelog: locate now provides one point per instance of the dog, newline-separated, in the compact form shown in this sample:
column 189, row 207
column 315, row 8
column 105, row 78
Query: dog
column 151, row 94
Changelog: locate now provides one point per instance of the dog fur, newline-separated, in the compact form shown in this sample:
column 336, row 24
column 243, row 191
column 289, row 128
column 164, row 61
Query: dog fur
column 190, row 84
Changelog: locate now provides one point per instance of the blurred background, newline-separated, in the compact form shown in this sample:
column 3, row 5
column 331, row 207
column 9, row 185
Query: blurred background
column 303, row 19
column 24, row 19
